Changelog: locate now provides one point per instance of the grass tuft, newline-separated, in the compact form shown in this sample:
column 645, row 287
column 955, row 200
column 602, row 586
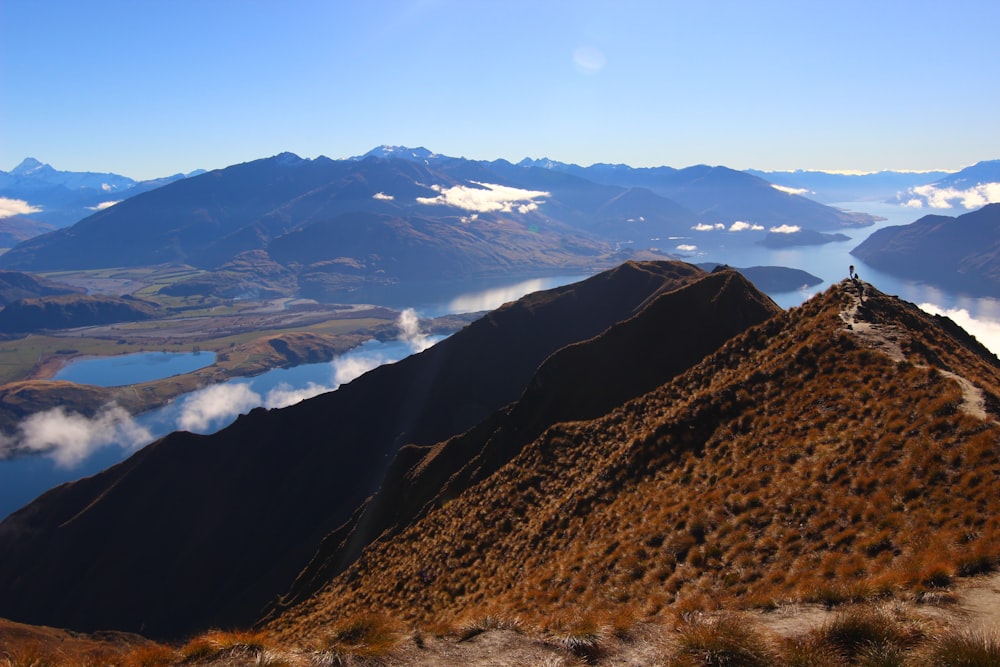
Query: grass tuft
column 218, row 644
column 27, row 654
column 152, row 655
column 869, row 631
column 962, row 649
column 487, row 623
column 366, row 636
column 725, row 641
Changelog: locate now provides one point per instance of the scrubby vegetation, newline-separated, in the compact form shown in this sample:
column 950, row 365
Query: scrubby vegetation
column 797, row 464
column 873, row 634
column 828, row 459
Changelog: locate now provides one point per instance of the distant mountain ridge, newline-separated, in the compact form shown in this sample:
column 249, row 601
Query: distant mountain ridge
column 833, row 188
column 970, row 188
column 338, row 225
column 15, row 285
column 68, row 311
column 60, row 198
column 960, row 253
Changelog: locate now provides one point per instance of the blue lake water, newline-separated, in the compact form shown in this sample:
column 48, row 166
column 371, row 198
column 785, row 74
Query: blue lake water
column 133, row 368
column 213, row 408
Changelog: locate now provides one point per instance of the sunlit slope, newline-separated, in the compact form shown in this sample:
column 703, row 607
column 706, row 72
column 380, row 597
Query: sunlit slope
column 841, row 450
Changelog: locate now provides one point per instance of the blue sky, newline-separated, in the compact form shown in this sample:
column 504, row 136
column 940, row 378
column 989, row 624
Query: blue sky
column 152, row 88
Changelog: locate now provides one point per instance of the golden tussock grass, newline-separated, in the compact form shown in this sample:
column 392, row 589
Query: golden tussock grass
column 815, row 472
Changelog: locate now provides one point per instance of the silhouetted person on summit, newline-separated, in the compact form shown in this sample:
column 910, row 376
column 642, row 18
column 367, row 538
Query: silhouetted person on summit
column 850, row 272
column 859, row 285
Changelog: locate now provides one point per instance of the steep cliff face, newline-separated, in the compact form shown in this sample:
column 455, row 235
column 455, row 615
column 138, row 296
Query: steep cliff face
column 837, row 450
column 195, row 531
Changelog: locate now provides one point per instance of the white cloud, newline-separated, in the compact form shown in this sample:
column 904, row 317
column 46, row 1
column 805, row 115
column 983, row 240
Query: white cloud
column 349, row 367
column 589, row 59
column 381, row 196
column 69, row 437
column 285, row 394
column 702, row 227
column 12, row 207
column 355, row 364
column 409, row 331
column 986, row 332
column 943, row 198
column 204, row 408
column 791, row 191
column 103, row 205
column 686, row 247
column 485, row 198
column 493, row 298
column 741, row 226
column 785, row 229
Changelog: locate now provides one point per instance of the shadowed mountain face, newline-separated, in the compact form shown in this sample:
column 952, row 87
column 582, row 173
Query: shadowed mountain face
column 669, row 334
column 960, row 253
column 195, row 531
column 840, row 449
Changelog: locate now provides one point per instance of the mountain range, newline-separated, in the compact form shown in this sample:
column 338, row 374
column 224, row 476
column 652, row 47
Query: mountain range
column 53, row 198
column 655, row 436
column 330, row 227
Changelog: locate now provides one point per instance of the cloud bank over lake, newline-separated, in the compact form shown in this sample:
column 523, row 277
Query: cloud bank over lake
column 70, row 437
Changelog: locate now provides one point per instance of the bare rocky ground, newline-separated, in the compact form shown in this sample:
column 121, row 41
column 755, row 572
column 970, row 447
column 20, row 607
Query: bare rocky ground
column 970, row 605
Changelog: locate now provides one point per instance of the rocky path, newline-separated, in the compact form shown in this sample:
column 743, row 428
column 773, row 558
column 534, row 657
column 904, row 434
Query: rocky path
column 886, row 339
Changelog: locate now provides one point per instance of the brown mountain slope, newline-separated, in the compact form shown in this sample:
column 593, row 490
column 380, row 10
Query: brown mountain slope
column 584, row 380
column 195, row 531
column 802, row 461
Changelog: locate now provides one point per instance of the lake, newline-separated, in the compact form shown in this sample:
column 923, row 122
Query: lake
column 213, row 408
column 133, row 368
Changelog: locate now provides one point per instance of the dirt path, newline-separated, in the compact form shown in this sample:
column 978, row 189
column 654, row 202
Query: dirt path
column 886, row 339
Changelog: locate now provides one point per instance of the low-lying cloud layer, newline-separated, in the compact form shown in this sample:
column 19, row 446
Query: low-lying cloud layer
column 791, row 191
column 11, row 207
column 69, row 437
column 985, row 331
column 741, row 226
column 486, row 198
column 785, row 229
column 201, row 409
column 932, row 196
column 737, row 226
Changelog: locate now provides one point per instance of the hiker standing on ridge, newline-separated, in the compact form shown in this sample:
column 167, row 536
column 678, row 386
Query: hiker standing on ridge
column 850, row 272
